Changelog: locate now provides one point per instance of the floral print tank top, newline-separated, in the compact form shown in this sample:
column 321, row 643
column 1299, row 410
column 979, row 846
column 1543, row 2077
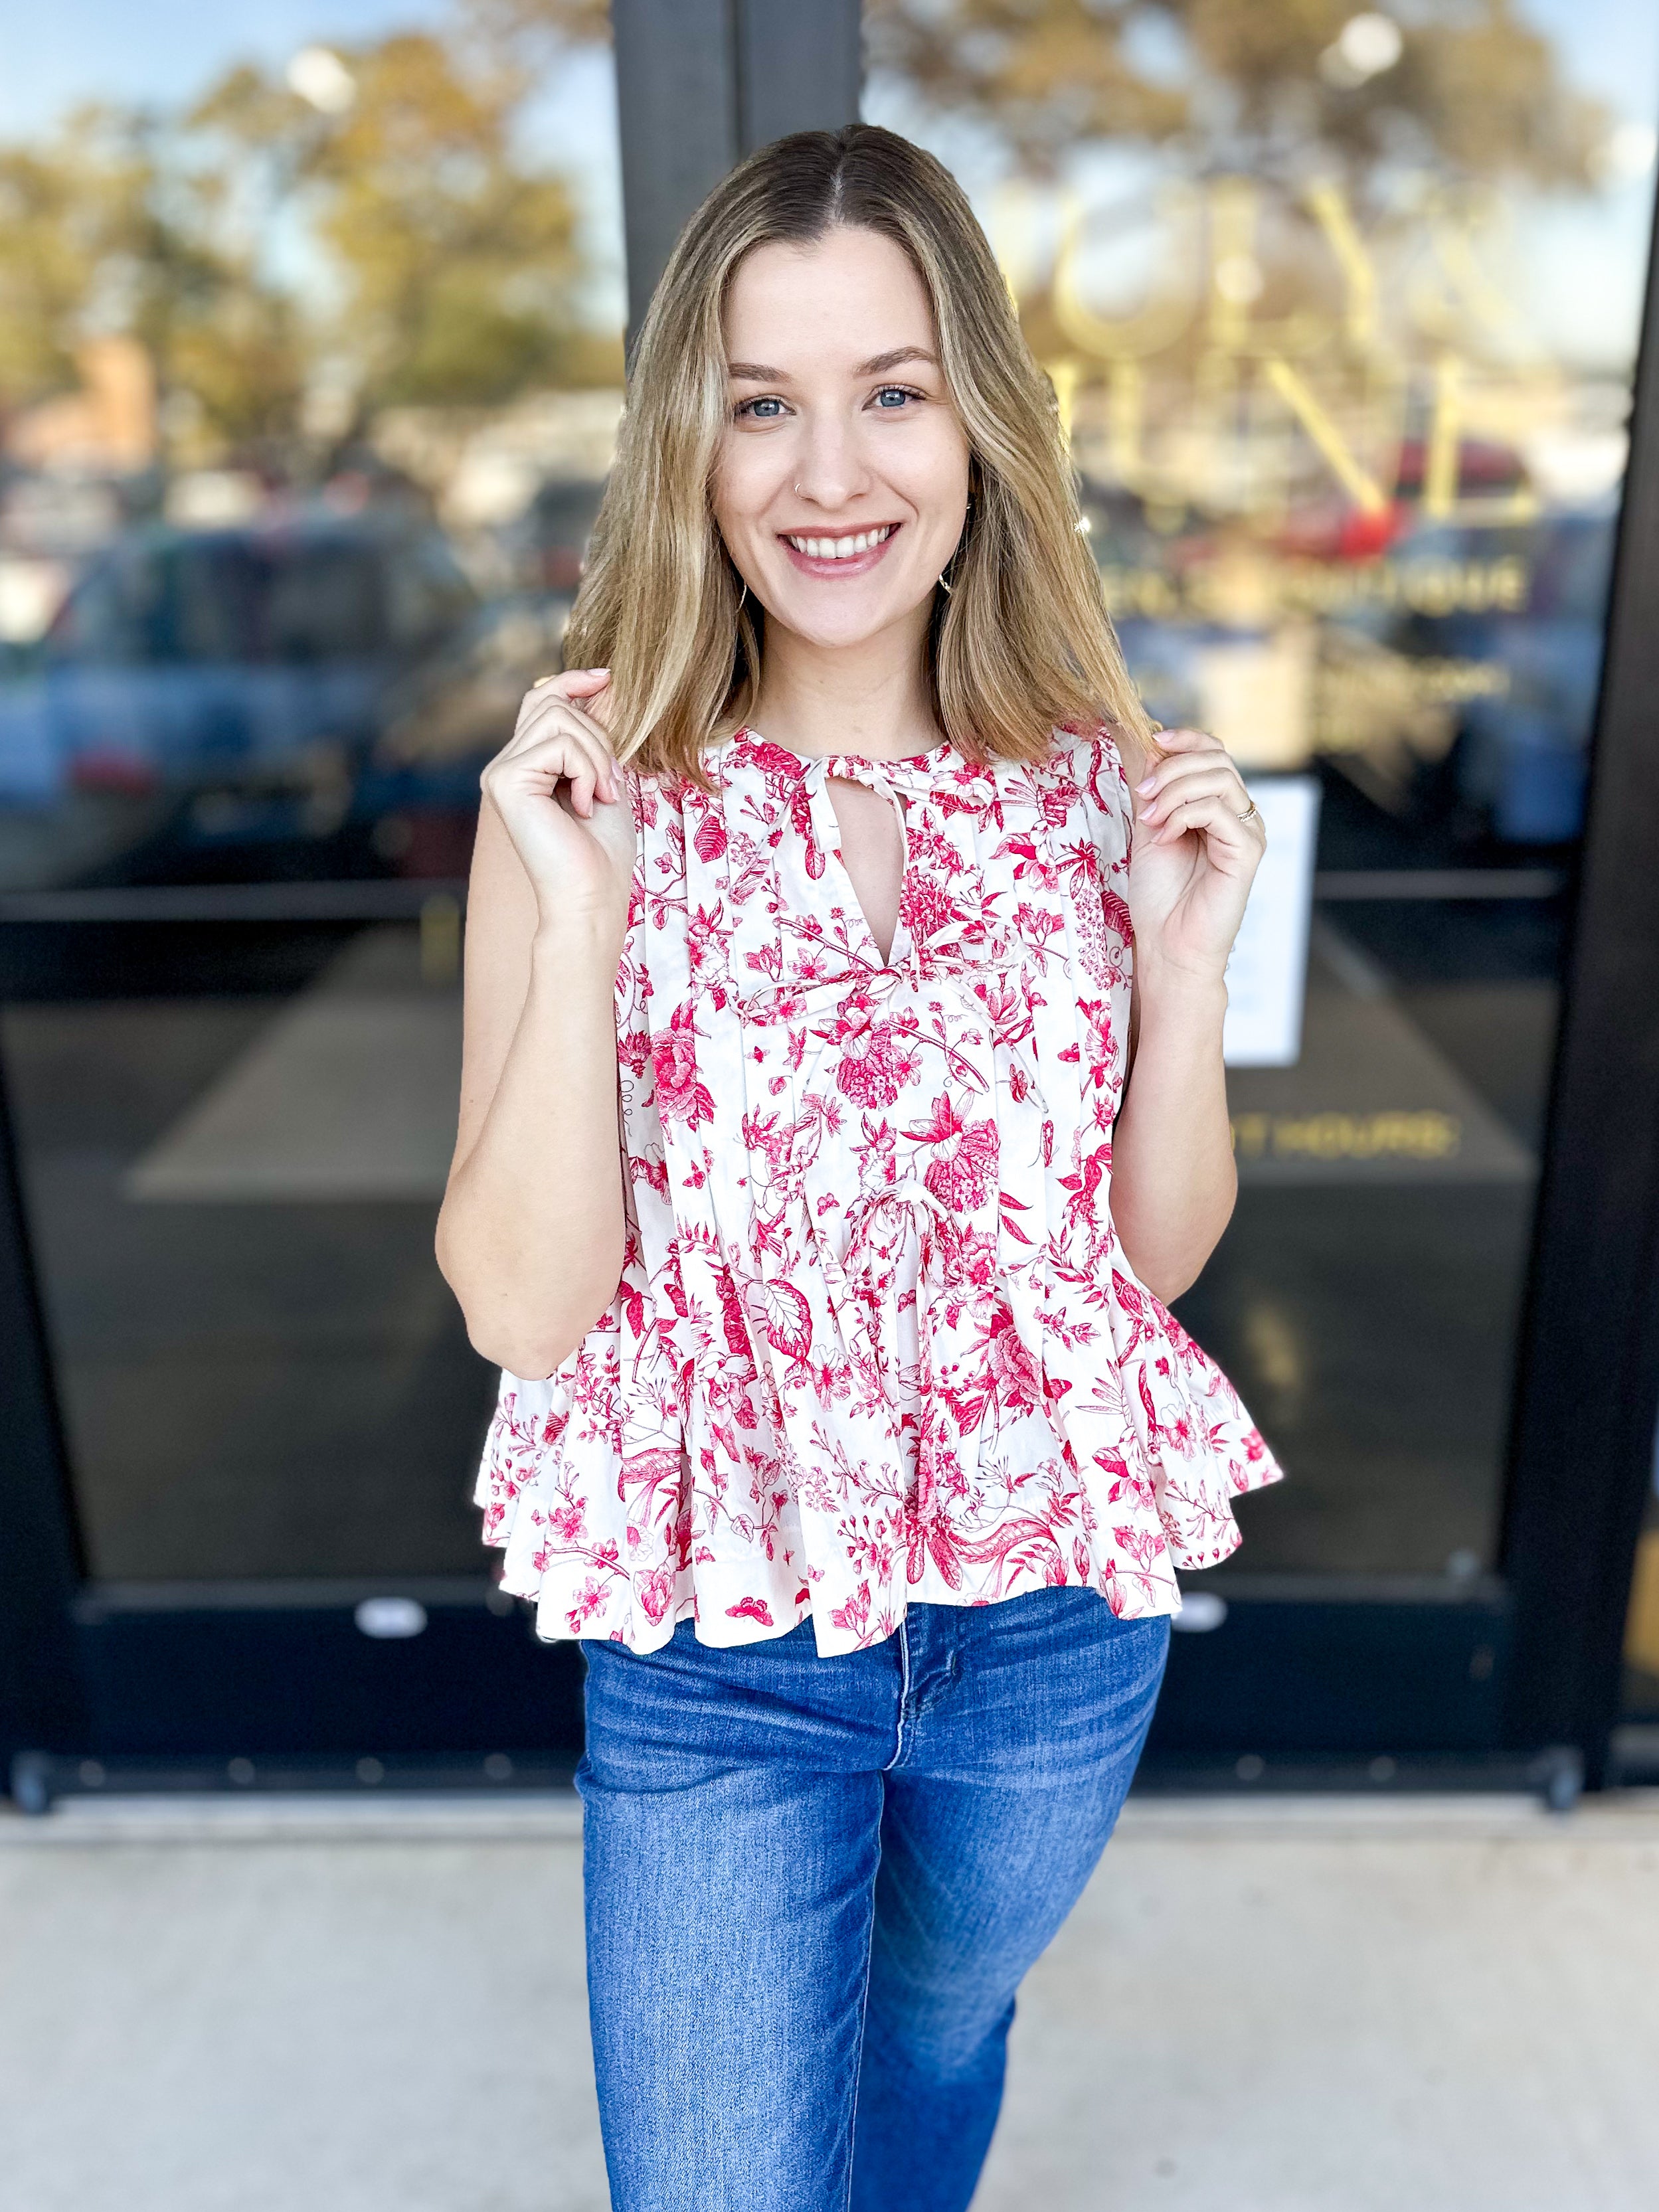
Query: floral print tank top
column 875, row 1340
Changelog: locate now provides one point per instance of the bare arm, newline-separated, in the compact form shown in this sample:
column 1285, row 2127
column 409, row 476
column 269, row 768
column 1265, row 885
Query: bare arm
column 1191, row 866
column 531, row 1234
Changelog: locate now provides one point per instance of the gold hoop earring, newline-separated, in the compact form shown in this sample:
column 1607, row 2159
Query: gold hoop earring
column 945, row 583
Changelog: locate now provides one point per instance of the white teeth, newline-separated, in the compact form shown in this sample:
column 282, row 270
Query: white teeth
column 841, row 549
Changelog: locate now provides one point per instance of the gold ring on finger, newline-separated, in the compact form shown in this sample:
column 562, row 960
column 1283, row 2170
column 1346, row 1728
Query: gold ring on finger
column 1252, row 813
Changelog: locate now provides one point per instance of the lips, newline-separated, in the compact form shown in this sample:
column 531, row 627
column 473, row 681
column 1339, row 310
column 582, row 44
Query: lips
column 848, row 553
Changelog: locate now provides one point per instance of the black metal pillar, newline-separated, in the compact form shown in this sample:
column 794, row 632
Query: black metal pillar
column 1589, row 1353
column 41, row 1706
column 700, row 83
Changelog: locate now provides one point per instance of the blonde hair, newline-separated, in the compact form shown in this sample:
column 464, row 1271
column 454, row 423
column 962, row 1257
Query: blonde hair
column 1021, row 645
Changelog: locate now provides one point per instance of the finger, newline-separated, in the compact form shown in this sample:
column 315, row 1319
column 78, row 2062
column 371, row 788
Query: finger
column 558, row 716
column 592, row 685
column 559, row 756
column 582, row 774
column 570, row 726
column 1218, row 822
column 577, row 780
column 544, row 763
column 1201, row 759
column 574, row 682
column 1175, row 746
column 562, row 694
column 541, row 709
column 1199, row 781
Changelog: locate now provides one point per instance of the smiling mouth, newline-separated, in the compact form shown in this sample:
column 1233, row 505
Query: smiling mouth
column 845, row 548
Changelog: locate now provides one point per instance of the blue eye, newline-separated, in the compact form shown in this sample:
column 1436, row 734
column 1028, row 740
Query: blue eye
column 761, row 410
column 894, row 396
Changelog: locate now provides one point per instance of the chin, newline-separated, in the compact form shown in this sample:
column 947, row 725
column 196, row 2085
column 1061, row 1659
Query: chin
column 812, row 616
column 836, row 635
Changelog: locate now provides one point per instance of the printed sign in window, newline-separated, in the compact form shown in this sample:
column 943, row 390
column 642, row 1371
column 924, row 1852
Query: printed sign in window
column 1268, row 974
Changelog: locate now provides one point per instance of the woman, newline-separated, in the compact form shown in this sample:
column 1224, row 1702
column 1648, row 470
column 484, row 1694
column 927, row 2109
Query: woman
column 842, row 1419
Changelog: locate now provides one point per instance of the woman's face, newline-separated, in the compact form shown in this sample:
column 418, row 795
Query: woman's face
column 841, row 485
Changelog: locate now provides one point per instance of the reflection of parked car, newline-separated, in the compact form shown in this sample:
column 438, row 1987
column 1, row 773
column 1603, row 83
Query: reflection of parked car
column 1456, row 673
column 443, row 722
column 1522, row 750
column 549, row 541
column 230, row 682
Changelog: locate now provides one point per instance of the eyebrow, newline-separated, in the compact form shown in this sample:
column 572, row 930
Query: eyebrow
column 758, row 372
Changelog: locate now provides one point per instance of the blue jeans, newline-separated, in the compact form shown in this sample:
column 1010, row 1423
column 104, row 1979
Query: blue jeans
column 814, row 1886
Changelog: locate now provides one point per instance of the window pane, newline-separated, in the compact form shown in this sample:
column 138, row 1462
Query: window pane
column 292, row 511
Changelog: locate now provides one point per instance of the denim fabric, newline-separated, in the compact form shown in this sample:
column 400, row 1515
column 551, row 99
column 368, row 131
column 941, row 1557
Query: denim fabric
column 814, row 1886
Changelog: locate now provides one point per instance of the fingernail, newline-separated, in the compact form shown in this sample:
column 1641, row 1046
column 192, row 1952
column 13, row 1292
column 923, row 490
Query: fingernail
column 1146, row 783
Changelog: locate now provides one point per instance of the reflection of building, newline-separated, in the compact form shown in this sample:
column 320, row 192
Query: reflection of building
column 108, row 427
column 483, row 469
column 1330, row 474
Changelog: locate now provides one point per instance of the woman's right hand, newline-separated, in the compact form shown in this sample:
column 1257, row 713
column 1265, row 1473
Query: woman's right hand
column 560, row 796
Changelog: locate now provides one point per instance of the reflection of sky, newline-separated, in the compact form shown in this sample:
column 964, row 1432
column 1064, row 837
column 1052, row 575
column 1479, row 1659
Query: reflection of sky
column 162, row 50
column 1582, row 272
column 1575, row 268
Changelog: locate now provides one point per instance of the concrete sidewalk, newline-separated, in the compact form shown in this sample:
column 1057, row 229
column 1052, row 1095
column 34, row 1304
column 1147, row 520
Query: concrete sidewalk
column 1447, row 2005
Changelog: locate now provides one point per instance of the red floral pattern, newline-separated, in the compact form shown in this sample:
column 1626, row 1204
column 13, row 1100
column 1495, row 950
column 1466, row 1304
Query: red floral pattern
column 875, row 1339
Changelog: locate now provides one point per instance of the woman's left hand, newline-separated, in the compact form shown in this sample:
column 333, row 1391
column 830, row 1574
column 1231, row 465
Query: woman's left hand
column 1195, row 853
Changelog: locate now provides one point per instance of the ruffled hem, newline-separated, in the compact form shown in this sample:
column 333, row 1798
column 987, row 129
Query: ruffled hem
column 599, row 1579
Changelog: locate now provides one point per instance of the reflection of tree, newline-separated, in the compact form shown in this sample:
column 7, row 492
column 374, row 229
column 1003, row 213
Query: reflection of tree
column 457, row 262
column 1315, row 322
column 392, row 233
column 100, row 232
column 522, row 32
column 1252, row 85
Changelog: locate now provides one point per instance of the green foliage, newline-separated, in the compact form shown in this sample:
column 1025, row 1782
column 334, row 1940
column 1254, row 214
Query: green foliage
column 52, row 233
column 457, row 262
column 1474, row 94
column 101, row 231
column 461, row 263
column 447, row 260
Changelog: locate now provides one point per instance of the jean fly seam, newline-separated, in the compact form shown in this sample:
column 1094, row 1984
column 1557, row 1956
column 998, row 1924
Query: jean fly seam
column 904, row 1695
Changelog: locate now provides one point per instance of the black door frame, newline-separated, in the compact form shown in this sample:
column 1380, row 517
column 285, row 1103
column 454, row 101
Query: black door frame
column 1587, row 1390
column 1392, row 1679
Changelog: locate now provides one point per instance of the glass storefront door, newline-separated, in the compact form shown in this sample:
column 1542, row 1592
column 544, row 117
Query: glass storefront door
column 1342, row 316
column 280, row 547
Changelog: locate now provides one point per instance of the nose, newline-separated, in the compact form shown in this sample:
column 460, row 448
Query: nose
column 829, row 471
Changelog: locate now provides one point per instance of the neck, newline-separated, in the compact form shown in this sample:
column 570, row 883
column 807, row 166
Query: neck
column 871, row 698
